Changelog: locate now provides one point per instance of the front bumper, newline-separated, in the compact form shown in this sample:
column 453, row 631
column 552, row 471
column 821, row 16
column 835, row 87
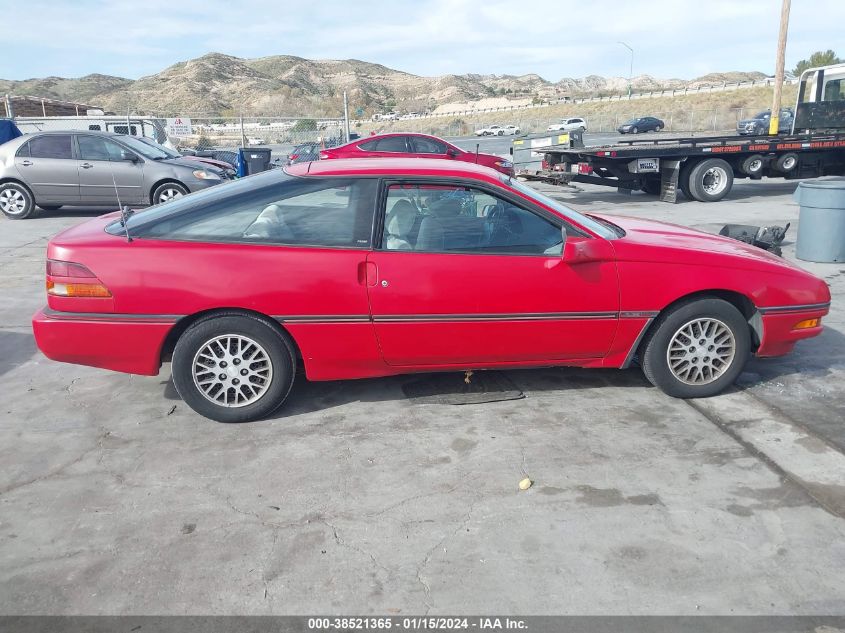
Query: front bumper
column 127, row 343
column 778, row 327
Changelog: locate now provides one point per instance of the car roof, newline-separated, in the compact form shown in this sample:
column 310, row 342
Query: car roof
column 394, row 167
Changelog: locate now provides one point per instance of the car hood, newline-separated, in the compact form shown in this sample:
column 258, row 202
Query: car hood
column 746, row 121
column 649, row 240
column 209, row 161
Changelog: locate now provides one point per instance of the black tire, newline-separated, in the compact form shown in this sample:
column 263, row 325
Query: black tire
column 658, row 128
column 683, row 179
column 500, row 133
column 16, row 201
column 51, row 207
column 582, row 128
column 786, row 163
column 710, row 180
column 752, row 165
column 654, row 351
column 167, row 191
column 634, row 130
column 278, row 351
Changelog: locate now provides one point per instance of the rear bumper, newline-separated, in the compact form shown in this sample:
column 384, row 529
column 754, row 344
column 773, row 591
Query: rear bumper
column 127, row 343
column 779, row 333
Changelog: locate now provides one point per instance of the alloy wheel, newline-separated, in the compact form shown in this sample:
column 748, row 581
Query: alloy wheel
column 701, row 351
column 232, row 370
column 169, row 193
column 12, row 201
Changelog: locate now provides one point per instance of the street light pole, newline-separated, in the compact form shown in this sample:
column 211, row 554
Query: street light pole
column 774, row 119
column 631, row 69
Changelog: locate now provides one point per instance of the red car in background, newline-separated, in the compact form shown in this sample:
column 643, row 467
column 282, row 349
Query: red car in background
column 409, row 145
column 361, row 268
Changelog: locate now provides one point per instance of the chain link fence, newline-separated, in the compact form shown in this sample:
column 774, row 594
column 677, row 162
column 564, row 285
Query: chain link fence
column 713, row 120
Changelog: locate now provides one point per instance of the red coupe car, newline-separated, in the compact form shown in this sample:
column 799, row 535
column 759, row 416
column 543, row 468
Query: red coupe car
column 352, row 269
column 407, row 145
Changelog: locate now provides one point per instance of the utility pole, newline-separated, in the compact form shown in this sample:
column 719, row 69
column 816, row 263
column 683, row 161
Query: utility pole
column 631, row 68
column 774, row 120
column 346, row 116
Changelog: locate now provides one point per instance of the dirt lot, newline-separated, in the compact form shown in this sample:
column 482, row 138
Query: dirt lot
column 115, row 498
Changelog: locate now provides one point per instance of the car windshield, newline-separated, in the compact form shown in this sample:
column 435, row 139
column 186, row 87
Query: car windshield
column 172, row 153
column 632, row 121
column 147, row 151
column 578, row 218
column 762, row 115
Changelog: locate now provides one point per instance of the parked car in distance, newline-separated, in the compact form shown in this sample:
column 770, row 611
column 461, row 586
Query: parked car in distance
column 303, row 153
column 53, row 169
column 255, row 140
column 421, row 265
column 411, row 145
column 641, row 124
column 498, row 130
column 759, row 124
column 568, row 125
column 225, row 167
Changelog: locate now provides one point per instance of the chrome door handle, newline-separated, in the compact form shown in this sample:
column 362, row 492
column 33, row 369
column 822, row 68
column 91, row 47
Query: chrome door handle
column 86, row 165
column 26, row 163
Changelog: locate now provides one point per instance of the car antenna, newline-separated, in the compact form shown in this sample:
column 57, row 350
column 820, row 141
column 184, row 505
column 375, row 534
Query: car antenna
column 125, row 211
column 476, row 152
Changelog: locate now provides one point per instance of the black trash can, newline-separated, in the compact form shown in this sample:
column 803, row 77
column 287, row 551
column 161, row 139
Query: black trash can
column 254, row 159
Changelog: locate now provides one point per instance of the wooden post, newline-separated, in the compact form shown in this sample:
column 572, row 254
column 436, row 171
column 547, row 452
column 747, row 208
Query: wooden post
column 774, row 120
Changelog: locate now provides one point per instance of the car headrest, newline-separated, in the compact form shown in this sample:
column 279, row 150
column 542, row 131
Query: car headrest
column 401, row 218
column 445, row 207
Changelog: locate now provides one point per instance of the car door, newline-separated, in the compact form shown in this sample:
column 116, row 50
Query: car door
column 48, row 167
column 466, row 275
column 105, row 175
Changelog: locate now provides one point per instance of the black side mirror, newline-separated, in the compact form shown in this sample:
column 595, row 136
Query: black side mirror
column 451, row 152
column 127, row 155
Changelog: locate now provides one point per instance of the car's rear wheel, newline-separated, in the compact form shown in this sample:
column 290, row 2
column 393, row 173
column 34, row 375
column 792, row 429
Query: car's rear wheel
column 168, row 191
column 16, row 202
column 233, row 367
column 697, row 349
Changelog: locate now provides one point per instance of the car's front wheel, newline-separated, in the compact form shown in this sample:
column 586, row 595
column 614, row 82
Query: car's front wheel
column 233, row 367
column 16, row 201
column 634, row 130
column 697, row 349
column 168, row 191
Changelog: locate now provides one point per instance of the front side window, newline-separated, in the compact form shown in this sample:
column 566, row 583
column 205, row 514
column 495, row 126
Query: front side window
column 51, row 146
column 424, row 145
column 295, row 211
column 96, row 148
column 439, row 218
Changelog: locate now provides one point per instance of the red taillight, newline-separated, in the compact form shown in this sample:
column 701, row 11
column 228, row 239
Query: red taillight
column 62, row 276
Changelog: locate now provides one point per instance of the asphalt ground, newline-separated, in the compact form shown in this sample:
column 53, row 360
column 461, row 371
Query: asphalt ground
column 115, row 498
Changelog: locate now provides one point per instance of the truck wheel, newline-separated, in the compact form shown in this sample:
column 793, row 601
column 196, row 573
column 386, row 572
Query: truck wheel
column 752, row 166
column 787, row 162
column 710, row 180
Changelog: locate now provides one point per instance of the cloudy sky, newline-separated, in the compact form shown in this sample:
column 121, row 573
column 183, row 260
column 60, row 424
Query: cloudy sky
column 560, row 38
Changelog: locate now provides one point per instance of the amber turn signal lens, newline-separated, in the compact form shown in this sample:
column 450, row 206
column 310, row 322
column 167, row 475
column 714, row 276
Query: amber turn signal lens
column 77, row 290
column 806, row 323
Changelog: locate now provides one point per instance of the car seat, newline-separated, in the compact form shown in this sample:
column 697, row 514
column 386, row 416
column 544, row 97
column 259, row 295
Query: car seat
column 397, row 228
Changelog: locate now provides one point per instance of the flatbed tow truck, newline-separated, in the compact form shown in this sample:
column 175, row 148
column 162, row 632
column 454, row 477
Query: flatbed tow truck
column 704, row 168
